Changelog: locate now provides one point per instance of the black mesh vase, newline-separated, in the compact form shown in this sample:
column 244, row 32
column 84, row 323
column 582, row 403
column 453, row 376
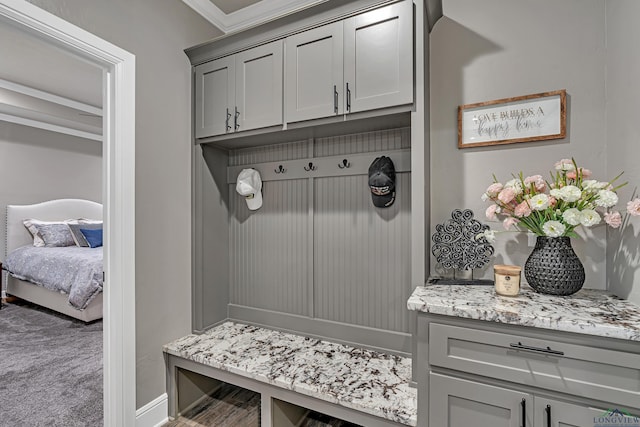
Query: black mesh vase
column 553, row 268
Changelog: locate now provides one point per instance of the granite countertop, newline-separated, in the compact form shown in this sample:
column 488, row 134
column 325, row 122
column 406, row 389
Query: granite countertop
column 589, row 312
column 365, row 380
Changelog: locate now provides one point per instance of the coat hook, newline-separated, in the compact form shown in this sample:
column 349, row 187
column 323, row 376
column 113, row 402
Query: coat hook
column 345, row 164
column 311, row 167
column 280, row 169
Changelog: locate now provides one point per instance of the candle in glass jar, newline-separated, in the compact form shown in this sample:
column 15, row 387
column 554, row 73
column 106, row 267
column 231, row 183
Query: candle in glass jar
column 507, row 279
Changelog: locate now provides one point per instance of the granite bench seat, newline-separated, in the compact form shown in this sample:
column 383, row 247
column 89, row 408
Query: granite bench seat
column 355, row 382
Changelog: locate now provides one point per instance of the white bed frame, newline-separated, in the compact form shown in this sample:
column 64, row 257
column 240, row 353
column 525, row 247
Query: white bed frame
column 17, row 235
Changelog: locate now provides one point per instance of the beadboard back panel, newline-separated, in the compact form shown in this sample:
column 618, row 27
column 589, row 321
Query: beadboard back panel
column 318, row 247
column 269, row 153
column 392, row 139
column 270, row 252
column 362, row 254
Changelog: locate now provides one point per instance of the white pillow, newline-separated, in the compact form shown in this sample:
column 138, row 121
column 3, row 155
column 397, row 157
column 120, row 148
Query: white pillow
column 31, row 223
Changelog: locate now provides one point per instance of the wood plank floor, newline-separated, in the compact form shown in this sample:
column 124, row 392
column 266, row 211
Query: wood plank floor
column 232, row 406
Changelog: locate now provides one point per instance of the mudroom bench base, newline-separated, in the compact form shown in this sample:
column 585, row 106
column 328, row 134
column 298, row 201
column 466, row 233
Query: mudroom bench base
column 293, row 374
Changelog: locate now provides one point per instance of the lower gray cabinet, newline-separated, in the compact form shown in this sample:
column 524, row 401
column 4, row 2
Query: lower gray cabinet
column 475, row 373
column 554, row 413
column 456, row 402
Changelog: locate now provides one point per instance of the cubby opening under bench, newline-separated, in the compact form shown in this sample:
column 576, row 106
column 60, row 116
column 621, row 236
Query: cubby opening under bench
column 293, row 374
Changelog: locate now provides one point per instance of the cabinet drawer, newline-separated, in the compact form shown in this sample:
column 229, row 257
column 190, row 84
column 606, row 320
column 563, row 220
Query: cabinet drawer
column 579, row 370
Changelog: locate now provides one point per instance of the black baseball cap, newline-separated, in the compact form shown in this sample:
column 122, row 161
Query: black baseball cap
column 382, row 182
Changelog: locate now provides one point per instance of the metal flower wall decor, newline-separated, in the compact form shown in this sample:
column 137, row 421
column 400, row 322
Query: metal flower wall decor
column 458, row 243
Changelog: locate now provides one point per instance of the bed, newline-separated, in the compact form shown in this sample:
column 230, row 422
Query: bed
column 17, row 237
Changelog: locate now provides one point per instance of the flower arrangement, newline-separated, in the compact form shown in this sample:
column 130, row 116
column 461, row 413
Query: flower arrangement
column 557, row 207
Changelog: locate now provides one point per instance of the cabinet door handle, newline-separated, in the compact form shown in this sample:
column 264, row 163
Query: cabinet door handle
column 335, row 99
column 226, row 123
column 547, row 350
column 548, row 411
column 236, row 125
column 348, row 98
column 523, row 405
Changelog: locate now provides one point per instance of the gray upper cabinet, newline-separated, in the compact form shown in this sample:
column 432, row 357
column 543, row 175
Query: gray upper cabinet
column 239, row 92
column 314, row 73
column 259, row 87
column 378, row 51
column 215, row 96
column 361, row 63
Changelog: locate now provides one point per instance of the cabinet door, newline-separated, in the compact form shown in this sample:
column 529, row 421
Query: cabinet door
column 259, row 87
column 314, row 73
column 215, row 97
column 455, row 402
column 378, row 57
column 553, row 413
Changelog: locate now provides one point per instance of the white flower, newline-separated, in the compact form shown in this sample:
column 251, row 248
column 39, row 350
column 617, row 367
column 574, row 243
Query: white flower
column 592, row 186
column 565, row 165
column 589, row 217
column 571, row 216
column 606, row 198
column 553, row 228
column 555, row 192
column 484, row 197
column 516, row 184
column 570, row 193
column 490, row 235
column 539, row 202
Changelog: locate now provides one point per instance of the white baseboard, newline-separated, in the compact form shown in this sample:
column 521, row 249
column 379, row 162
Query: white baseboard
column 154, row 413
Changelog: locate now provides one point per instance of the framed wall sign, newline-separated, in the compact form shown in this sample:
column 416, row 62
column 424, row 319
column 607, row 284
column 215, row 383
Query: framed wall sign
column 537, row 117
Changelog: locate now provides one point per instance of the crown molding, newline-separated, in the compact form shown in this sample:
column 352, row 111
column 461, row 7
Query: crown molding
column 249, row 16
column 49, row 97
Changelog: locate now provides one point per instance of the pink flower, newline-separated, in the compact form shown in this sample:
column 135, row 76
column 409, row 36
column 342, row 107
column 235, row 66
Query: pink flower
column 614, row 219
column 537, row 181
column 491, row 212
column 523, row 209
column 633, row 207
column 585, row 173
column 507, row 195
column 552, row 201
column 494, row 189
column 509, row 222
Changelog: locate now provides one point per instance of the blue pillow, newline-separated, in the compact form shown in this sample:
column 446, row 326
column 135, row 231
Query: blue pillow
column 94, row 237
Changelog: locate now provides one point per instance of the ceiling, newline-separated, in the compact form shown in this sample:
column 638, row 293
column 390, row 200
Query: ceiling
column 230, row 6
column 236, row 15
column 29, row 61
column 44, row 86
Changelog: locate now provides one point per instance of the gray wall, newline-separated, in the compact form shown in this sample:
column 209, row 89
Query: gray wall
column 623, row 140
column 39, row 165
column 156, row 31
column 506, row 48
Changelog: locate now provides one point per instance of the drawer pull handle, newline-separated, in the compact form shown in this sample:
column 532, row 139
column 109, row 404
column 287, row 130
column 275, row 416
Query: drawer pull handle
column 523, row 404
column 548, row 411
column 547, row 350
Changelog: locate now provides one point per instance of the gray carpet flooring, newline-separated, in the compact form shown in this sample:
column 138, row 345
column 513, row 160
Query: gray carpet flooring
column 50, row 368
